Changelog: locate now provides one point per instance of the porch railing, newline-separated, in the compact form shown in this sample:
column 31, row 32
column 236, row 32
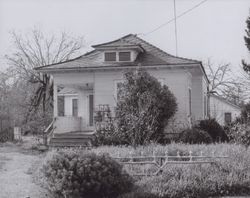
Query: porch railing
column 48, row 133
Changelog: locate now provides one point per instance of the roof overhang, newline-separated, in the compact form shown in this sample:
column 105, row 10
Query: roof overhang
column 98, row 68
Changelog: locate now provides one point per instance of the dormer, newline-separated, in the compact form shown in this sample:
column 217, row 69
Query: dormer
column 119, row 51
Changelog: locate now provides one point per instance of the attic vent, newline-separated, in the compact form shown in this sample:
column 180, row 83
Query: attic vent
column 110, row 56
column 124, row 56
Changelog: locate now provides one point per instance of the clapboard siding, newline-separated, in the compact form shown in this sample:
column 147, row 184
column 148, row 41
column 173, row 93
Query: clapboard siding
column 178, row 81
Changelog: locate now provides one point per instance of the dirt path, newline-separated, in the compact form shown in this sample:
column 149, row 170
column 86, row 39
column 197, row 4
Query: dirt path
column 16, row 175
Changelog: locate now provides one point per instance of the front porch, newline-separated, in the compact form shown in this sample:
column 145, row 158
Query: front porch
column 73, row 108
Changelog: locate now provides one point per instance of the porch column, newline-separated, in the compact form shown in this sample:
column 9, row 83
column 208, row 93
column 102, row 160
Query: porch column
column 55, row 100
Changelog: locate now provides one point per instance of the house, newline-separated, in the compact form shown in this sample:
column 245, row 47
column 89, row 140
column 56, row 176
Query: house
column 83, row 83
column 222, row 110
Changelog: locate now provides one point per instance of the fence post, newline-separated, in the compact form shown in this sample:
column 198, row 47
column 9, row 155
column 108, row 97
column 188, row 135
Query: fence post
column 178, row 155
column 190, row 156
column 166, row 155
column 154, row 156
column 131, row 158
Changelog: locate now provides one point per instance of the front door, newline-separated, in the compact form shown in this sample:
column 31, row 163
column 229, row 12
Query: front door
column 90, row 109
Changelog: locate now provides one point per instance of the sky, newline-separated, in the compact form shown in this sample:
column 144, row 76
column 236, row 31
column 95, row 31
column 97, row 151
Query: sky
column 214, row 30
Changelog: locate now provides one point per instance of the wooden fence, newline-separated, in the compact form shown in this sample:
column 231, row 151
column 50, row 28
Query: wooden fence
column 155, row 164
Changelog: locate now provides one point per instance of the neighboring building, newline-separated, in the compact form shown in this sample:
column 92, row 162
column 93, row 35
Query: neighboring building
column 222, row 110
column 90, row 80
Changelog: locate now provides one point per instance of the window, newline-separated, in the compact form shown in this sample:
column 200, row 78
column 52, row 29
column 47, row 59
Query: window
column 75, row 107
column 205, row 105
column 60, row 106
column 190, row 101
column 110, row 56
column 228, row 118
column 124, row 56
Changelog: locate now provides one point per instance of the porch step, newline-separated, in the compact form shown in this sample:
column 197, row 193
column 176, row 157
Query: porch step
column 72, row 139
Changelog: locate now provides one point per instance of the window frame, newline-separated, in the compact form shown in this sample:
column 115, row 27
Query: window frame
column 110, row 53
column 130, row 57
column 225, row 121
column 77, row 107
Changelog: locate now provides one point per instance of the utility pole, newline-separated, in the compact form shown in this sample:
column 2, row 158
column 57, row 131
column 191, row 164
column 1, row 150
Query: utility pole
column 176, row 42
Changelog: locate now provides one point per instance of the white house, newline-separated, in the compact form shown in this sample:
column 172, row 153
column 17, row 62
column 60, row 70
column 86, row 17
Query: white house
column 92, row 79
column 222, row 110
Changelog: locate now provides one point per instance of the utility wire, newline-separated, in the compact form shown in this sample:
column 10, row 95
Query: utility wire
column 173, row 19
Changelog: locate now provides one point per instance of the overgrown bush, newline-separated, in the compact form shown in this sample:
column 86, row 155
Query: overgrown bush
column 240, row 133
column 214, row 129
column 105, row 133
column 72, row 173
column 143, row 109
column 195, row 136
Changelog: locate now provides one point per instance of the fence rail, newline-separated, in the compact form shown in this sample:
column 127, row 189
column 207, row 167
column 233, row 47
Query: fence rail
column 159, row 162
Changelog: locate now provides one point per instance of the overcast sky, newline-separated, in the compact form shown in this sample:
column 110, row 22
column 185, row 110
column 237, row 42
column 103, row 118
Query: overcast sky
column 214, row 30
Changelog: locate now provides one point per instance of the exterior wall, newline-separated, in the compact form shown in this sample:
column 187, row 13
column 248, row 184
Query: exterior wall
column 104, row 90
column 177, row 81
column 218, row 108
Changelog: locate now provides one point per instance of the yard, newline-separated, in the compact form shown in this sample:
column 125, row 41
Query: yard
column 17, row 167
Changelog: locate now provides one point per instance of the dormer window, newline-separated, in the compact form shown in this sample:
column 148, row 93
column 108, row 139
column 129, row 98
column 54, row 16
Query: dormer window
column 110, row 56
column 120, row 56
column 124, row 56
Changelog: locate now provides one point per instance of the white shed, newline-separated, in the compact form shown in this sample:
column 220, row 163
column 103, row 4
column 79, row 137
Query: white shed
column 222, row 110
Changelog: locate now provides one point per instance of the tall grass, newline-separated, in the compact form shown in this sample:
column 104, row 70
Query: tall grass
column 229, row 176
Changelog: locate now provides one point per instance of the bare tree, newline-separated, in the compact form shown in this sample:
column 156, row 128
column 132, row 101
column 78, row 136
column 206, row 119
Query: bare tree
column 224, row 83
column 35, row 49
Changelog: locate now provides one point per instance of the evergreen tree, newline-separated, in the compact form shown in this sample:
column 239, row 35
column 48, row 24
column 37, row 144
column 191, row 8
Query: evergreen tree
column 246, row 66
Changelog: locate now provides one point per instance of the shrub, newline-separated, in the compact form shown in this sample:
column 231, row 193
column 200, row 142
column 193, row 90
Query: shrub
column 195, row 136
column 240, row 133
column 213, row 128
column 139, row 194
column 143, row 109
column 77, row 174
column 105, row 133
column 245, row 113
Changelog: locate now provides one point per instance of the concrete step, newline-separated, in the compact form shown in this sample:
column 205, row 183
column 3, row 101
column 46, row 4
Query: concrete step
column 71, row 139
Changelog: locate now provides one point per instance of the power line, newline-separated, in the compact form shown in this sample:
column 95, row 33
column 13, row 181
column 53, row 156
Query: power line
column 173, row 19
